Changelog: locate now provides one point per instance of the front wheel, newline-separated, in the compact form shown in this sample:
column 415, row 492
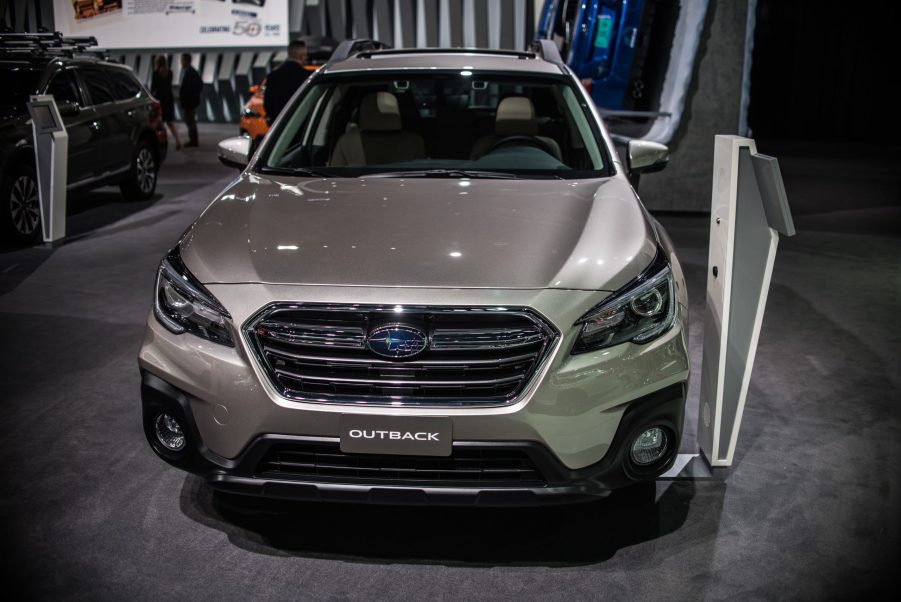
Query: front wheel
column 140, row 182
column 21, row 210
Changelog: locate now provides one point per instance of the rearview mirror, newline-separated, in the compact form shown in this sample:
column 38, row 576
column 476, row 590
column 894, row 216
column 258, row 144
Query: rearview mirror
column 235, row 152
column 646, row 157
column 67, row 108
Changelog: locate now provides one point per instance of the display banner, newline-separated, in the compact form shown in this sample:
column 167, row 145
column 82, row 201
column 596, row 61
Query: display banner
column 176, row 24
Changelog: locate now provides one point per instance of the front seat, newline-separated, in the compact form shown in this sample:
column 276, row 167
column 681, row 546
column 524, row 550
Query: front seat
column 515, row 117
column 379, row 136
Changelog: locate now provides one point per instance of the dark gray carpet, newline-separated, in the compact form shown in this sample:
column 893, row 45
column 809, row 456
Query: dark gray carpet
column 810, row 510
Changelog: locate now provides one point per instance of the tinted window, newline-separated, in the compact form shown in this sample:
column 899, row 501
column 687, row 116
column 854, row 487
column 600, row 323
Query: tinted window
column 126, row 86
column 17, row 83
column 64, row 89
column 100, row 87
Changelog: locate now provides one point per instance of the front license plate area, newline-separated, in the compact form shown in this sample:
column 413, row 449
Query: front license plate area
column 396, row 435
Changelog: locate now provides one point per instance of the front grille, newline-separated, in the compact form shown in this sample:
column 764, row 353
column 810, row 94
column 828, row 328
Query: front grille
column 475, row 356
column 466, row 465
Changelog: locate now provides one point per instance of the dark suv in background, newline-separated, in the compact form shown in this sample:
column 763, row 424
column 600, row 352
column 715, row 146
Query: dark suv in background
column 116, row 135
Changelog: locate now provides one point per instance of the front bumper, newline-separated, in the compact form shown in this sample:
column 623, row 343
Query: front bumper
column 555, row 482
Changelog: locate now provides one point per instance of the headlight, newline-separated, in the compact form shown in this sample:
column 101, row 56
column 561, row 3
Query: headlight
column 639, row 312
column 182, row 303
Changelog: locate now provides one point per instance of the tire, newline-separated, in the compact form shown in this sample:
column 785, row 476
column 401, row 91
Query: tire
column 21, row 206
column 140, row 183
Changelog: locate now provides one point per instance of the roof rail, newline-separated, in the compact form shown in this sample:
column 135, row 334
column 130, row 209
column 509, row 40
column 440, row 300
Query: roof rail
column 547, row 50
column 492, row 51
column 349, row 47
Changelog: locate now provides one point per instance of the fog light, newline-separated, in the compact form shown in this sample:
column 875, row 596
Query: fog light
column 169, row 432
column 649, row 446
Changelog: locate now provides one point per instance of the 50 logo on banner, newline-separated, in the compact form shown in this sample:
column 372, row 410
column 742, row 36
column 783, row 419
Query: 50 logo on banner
column 248, row 28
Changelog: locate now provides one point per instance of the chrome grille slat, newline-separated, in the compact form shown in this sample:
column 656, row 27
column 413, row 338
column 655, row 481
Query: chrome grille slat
column 446, row 339
column 304, row 334
column 476, row 356
column 402, row 383
column 316, row 359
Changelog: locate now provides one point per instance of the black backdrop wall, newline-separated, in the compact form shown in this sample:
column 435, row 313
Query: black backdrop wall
column 826, row 70
column 26, row 15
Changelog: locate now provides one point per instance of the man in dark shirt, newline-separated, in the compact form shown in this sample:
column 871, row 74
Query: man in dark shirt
column 189, row 97
column 283, row 82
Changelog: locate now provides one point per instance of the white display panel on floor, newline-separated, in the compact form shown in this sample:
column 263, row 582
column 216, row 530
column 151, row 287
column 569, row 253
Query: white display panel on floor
column 749, row 211
column 51, row 150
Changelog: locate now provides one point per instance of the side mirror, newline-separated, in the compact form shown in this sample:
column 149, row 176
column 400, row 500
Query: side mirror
column 235, row 152
column 67, row 108
column 646, row 157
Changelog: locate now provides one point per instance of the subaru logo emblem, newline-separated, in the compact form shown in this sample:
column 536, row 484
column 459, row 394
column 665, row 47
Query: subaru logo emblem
column 397, row 341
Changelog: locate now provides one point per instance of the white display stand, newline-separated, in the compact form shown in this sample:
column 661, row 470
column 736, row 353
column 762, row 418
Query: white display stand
column 749, row 211
column 51, row 150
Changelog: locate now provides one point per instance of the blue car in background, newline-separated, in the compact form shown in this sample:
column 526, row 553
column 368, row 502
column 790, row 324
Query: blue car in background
column 619, row 48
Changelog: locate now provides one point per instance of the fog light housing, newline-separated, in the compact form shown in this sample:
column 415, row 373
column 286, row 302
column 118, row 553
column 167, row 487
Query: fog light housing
column 169, row 432
column 649, row 446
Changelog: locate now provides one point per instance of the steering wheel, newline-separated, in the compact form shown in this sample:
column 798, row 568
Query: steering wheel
column 522, row 141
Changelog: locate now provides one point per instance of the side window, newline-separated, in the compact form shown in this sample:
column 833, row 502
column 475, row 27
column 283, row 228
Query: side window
column 64, row 89
column 100, row 87
column 292, row 134
column 126, row 86
column 321, row 136
column 588, row 140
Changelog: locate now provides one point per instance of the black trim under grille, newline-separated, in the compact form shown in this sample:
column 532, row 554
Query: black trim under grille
column 466, row 465
column 474, row 356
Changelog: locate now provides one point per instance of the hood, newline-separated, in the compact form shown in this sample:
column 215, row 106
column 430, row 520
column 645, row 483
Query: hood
column 422, row 232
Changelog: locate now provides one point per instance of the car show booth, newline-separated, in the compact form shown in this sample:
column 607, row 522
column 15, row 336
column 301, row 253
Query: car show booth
column 491, row 309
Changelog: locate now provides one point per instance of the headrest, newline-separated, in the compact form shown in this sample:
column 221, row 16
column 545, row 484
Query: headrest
column 379, row 113
column 515, row 117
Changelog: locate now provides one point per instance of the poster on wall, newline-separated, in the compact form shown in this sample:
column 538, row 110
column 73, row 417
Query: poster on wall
column 176, row 24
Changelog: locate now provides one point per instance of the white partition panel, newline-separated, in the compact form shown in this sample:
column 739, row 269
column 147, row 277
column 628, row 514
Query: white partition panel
column 749, row 210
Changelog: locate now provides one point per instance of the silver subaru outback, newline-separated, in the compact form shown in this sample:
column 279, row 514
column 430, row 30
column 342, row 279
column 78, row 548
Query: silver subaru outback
column 432, row 283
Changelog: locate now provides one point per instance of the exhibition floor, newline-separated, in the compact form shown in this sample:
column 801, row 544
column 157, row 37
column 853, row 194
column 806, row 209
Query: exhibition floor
column 810, row 509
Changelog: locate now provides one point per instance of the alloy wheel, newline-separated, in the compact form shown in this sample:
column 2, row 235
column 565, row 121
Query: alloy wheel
column 24, row 205
column 145, row 171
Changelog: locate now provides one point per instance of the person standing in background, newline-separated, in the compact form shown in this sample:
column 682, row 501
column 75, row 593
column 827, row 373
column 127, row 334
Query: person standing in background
column 283, row 82
column 189, row 97
column 161, row 88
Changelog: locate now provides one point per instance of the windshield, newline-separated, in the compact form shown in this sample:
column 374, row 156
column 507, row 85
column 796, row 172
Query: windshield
column 440, row 124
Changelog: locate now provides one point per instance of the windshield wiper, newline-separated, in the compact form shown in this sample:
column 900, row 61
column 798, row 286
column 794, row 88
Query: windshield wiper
column 444, row 173
column 295, row 171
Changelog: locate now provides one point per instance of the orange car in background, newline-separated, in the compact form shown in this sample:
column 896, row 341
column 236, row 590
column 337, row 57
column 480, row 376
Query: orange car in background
column 253, row 116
